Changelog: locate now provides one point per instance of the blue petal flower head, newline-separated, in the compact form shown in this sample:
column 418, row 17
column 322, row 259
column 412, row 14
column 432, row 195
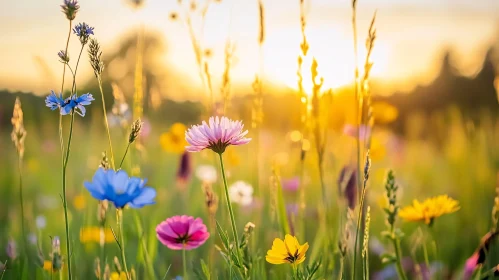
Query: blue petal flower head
column 121, row 190
column 67, row 105
column 82, row 100
column 53, row 101
column 83, row 31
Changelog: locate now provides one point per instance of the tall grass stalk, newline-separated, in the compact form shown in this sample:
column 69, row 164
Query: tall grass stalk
column 119, row 220
column 99, row 79
column 303, row 99
column 18, row 137
column 367, row 168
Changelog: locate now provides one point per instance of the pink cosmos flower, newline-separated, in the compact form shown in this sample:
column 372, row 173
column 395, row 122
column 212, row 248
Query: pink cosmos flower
column 217, row 135
column 182, row 232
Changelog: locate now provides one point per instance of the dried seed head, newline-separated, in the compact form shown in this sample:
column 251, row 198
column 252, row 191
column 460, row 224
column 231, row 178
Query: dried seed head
column 211, row 199
column 104, row 162
column 365, row 247
column 94, row 53
column 117, row 265
column 367, row 166
column 18, row 134
column 134, row 133
column 97, row 269
column 107, row 273
column 101, row 211
column 249, row 227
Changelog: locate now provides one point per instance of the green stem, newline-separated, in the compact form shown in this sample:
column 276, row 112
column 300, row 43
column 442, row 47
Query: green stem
column 140, row 231
column 425, row 254
column 126, row 151
column 295, row 272
column 398, row 261
column 359, row 221
column 23, row 231
column 3, row 270
column 64, row 200
column 229, row 206
column 342, row 264
column 61, row 140
column 107, row 123
column 357, row 114
column 185, row 264
column 122, row 241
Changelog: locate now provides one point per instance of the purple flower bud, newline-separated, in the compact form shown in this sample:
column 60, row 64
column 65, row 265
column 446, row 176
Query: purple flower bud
column 184, row 168
column 11, row 249
column 347, row 184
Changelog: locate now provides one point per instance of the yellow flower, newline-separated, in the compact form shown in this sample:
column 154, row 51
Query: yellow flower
column 79, row 202
column 118, row 276
column 47, row 265
column 429, row 209
column 384, row 112
column 173, row 141
column 96, row 234
column 287, row 251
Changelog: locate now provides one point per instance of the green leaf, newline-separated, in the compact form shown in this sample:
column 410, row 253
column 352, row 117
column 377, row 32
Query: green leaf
column 281, row 208
column 223, row 236
column 206, row 270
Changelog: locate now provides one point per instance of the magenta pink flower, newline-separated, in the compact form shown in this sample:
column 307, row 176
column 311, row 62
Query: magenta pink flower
column 182, row 232
column 217, row 135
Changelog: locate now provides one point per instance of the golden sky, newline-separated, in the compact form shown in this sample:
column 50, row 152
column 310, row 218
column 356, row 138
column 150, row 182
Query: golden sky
column 412, row 35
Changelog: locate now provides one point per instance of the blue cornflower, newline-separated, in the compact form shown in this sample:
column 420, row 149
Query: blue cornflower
column 83, row 31
column 67, row 105
column 117, row 187
column 70, row 8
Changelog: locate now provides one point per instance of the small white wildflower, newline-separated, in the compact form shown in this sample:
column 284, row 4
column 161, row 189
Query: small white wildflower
column 206, row 173
column 41, row 222
column 241, row 193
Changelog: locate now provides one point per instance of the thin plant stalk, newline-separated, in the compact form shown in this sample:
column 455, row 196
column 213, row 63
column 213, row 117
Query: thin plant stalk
column 126, row 152
column 61, row 140
column 229, row 206
column 184, row 261
column 3, row 270
column 64, row 169
column 107, row 123
column 119, row 217
column 64, row 200
column 21, row 198
column 342, row 265
column 398, row 255
column 359, row 218
column 140, row 231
